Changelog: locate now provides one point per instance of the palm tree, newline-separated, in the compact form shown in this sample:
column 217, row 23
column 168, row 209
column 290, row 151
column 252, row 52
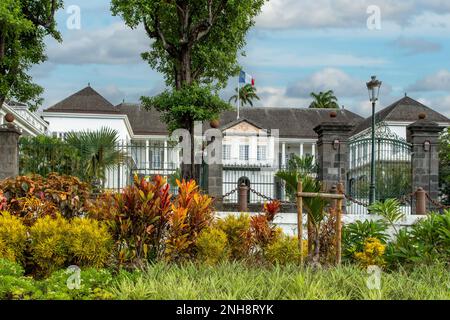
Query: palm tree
column 296, row 167
column 98, row 152
column 247, row 94
column 324, row 100
column 302, row 169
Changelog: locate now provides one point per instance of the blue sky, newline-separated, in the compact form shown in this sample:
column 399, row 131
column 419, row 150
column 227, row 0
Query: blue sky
column 296, row 47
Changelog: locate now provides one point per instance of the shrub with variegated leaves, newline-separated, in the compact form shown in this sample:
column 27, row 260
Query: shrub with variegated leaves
column 137, row 218
column 191, row 213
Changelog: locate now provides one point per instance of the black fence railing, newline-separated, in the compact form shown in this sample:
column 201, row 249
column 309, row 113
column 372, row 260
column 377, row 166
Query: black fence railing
column 114, row 165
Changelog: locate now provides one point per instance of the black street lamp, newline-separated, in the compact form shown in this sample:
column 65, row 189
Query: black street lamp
column 373, row 86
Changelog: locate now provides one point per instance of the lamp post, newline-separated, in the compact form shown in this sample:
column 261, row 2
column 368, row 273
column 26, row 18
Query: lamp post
column 373, row 86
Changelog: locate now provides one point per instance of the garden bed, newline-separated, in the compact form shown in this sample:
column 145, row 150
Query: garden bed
column 232, row 281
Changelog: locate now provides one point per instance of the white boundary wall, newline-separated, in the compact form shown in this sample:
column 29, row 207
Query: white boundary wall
column 288, row 221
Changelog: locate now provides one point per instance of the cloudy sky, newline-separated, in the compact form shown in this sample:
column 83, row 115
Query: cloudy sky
column 296, row 47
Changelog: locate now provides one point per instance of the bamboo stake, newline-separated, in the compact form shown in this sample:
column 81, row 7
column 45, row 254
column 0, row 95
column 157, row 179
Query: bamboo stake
column 340, row 191
column 300, row 219
column 321, row 195
column 310, row 232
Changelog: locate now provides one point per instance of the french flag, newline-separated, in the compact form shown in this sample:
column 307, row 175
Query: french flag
column 246, row 78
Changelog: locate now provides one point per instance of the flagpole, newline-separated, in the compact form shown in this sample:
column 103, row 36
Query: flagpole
column 239, row 97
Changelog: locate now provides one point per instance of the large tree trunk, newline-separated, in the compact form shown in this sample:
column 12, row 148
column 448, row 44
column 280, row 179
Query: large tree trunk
column 183, row 77
column 188, row 170
column 185, row 66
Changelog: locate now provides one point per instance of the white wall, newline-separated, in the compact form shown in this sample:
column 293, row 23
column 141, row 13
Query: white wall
column 288, row 221
column 67, row 123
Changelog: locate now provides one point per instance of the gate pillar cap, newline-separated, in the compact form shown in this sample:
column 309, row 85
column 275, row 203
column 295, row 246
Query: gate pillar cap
column 334, row 126
column 10, row 128
column 424, row 125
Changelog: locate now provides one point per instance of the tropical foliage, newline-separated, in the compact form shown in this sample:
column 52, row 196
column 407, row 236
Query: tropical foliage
column 24, row 26
column 193, row 40
column 297, row 167
column 43, row 155
column 32, row 197
column 247, row 94
column 373, row 254
column 98, row 152
column 324, row 100
column 427, row 242
column 191, row 213
column 180, row 108
column 444, row 165
column 87, row 155
column 143, row 228
column 137, row 219
column 195, row 44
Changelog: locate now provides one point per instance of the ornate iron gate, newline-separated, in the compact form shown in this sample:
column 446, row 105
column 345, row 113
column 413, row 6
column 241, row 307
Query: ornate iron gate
column 392, row 167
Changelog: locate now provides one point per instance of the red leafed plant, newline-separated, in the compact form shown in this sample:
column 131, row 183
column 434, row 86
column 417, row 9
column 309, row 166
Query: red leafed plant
column 137, row 218
column 191, row 213
column 262, row 231
column 271, row 209
column 3, row 203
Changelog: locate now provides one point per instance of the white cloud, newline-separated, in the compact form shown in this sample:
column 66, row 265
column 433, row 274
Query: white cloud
column 276, row 97
column 114, row 44
column 340, row 82
column 282, row 14
column 267, row 57
column 440, row 104
column 440, row 81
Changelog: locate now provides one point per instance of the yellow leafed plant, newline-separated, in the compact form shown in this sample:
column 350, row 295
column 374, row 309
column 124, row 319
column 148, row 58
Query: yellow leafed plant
column 48, row 246
column 88, row 243
column 373, row 253
column 212, row 246
column 13, row 237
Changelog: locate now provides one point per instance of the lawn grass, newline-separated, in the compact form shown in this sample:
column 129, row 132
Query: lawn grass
column 239, row 282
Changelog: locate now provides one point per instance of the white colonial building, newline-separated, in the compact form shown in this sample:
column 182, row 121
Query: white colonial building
column 254, row 147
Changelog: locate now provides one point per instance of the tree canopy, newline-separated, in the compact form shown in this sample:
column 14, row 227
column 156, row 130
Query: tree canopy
column 179, row 108
column 195, row 43
column 324, row 100
column 194, row 40
column 23, row 26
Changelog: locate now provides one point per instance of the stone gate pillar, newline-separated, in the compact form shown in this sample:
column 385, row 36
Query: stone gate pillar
column 214, row 178
column 9, row 149
column 423, row 135
column 332, row 149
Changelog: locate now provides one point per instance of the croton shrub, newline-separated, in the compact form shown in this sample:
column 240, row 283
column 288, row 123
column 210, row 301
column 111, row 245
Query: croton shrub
column 31, row 197
column 147, row 224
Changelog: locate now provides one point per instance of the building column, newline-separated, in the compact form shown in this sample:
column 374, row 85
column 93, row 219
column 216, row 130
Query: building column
column 9, row 151
column 283, row 155
column 332, row 147
column 165, row 163
column 423, row 135
column 301, row 150
column 313, row 152
column 147, row 156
